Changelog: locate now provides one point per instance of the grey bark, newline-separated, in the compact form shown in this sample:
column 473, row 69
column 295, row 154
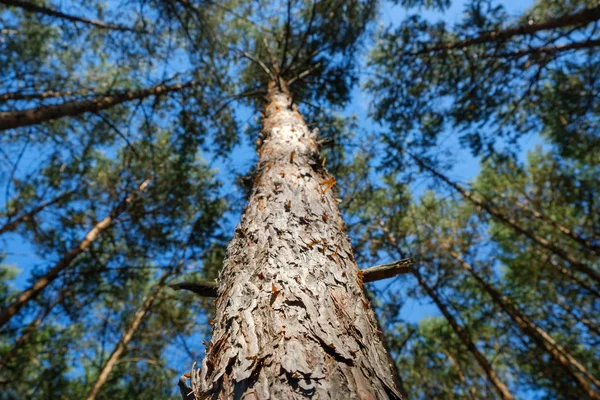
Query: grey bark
column 292, row 320
column 209, row 289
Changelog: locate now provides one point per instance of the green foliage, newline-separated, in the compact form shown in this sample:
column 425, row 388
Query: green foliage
column 490, row 92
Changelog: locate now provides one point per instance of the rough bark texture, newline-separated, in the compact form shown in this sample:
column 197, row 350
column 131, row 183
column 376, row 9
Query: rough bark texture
column 558, row 354
column 32, row 292
column 209, row 288
column 292, row 318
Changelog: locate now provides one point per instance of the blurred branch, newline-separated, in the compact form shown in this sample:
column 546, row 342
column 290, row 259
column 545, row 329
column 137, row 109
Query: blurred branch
column 583, row 17
column 30, row 7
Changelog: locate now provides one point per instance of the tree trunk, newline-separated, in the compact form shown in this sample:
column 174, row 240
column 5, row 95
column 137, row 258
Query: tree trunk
column 542, row 242
column 31, row 293
column 33, row 116
column 470, row 389
column 292, row 318
column 49, row 94
column 570, row 274
column 127, row 336
column 592, row 326
column 466, row 339
column 539, row 336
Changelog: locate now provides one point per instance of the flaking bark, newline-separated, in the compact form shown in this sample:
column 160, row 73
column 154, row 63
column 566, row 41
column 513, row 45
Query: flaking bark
column 206, row 288
column 292, row 318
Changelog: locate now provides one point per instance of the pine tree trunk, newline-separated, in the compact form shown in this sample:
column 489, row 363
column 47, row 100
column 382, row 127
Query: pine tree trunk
column 292, row 318
column 466, row 339
column 581, row 18
column 584, row 242
column 538, row 335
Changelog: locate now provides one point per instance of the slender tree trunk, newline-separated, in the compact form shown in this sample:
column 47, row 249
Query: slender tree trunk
column 538, row 335
column 584, row 44
column 127, row 336
column 31, row 7
column 292, row 318
column 542, row 242
column 12, row 224
column 65, row 262
column 466, row 339
column 581, row 18
column 470, row 389
column 569, row 273
column 33, row 116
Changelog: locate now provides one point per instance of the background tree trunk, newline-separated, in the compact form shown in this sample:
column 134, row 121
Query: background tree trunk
column 32, row 292
column 563, row 358
column 466, row 339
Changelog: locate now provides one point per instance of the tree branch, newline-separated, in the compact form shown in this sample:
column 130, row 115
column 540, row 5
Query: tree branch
column 30, row 7
column 206, row 288
column 384, row 271
column 584, row 44
column 34, row 116
column 583, row 17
